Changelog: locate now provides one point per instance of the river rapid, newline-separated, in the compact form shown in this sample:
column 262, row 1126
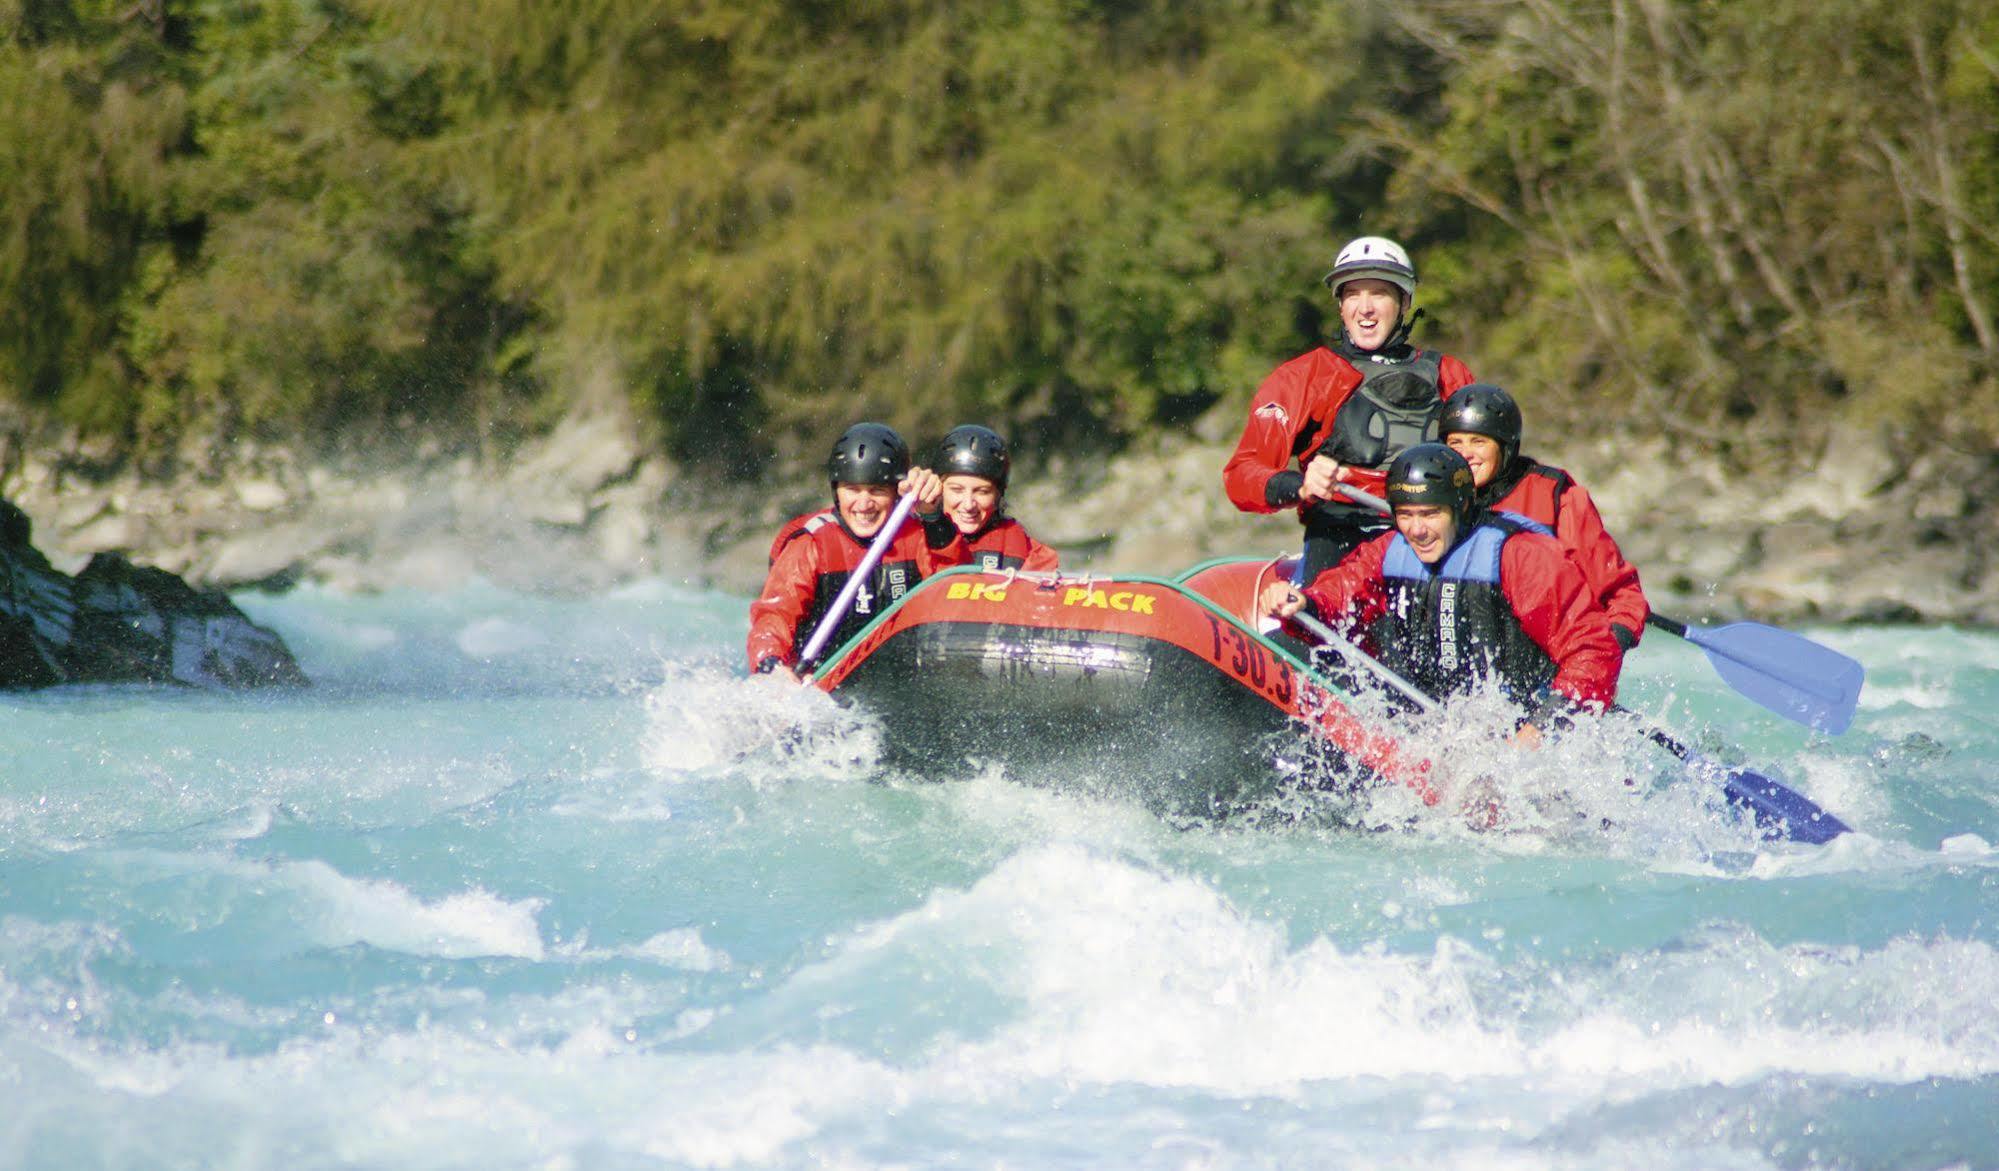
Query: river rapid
column 536, row 883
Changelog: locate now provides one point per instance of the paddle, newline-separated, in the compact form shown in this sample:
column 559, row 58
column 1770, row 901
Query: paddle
column 1786, row 673
column 1332, row 638
column 1773, row 806
column 1379, row 755
column 845, row 598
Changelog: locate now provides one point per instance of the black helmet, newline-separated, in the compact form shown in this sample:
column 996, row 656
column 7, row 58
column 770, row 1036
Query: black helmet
column 972, row 450
column 1430, row 473
column 868, row 453
column 1483, row 409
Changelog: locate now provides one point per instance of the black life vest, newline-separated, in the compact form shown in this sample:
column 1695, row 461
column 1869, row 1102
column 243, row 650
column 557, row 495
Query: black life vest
column 1449, row 627
column 840, row 553
column 1394, row 408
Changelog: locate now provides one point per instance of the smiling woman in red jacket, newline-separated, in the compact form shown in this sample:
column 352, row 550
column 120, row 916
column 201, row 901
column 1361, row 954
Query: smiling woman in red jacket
column 1482, row 423
column 975, row 466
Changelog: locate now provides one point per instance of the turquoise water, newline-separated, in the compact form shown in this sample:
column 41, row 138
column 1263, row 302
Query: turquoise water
column 541, row 884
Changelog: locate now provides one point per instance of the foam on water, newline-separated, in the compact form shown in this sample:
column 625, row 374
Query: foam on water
column 703, row 719
column 322, row 907
column 682, row 948
column 491, row 638
column 1125, row 975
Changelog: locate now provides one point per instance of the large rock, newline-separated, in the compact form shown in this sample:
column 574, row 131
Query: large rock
column 121, row 623
column 146, row 625
column 37, row 609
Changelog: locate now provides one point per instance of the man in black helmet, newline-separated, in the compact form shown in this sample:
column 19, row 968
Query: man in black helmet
column 1455, row 597
column 975, row 465
column 815, row 555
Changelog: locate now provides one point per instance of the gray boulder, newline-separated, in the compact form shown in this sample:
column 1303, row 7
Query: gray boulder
column 122, row 623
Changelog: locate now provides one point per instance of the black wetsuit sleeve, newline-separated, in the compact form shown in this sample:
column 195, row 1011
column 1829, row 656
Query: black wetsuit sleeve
column 1551, row 711
column 938, row 531
column 1282, row 488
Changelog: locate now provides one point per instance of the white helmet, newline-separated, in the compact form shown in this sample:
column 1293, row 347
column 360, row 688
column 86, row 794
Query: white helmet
column 1377, row 257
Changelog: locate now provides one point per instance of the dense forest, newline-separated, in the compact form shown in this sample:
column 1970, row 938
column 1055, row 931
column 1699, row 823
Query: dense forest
column 1086, row 221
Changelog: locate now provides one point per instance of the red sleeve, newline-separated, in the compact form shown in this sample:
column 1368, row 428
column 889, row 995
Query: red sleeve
column 1550, row 597
column 791, row 528
column 1451, row 375
column 934, row 561
column 787, row 596
column 1040, row 558
column 1613, row 581
column 1351, row 593
column 1305, row 389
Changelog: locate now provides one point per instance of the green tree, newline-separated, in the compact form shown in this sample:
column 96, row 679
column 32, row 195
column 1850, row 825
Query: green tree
column 772, row 217
column 1719, row 212
column 91, row 113
column 337, row 278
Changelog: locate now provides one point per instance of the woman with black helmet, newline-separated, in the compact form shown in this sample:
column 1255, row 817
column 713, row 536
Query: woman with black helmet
column 975, row 465
column 815, row 555
column 1455, row 596
column 1342, row 412
column 1482, row 423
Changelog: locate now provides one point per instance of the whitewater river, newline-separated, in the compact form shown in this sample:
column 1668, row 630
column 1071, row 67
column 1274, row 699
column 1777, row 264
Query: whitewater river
column 526, row 883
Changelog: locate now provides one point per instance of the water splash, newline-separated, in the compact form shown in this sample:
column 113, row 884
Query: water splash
column 703, row 719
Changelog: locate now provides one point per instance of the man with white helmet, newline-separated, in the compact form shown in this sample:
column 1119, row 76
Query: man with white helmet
column 1343, row 412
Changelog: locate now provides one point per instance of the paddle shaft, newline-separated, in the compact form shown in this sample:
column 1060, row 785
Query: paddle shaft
column 1345, row 646
column 1385, row 760
column 1672, row 626
column 1660, row 736
column 855, row 580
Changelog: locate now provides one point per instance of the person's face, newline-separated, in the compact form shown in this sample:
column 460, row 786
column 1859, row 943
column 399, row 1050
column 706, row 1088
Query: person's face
column 1369, row 308
column 1429, row 529
column 865, row 507
column 970, row 501
column 1480, row 451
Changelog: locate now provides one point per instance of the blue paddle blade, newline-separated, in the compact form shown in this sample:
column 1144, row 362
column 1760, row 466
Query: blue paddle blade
column 1781, row 813
column 1787, row 673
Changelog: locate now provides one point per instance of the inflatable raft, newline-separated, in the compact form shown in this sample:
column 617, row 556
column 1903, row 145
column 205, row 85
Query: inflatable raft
column 1134, row 683
column 1162, row 687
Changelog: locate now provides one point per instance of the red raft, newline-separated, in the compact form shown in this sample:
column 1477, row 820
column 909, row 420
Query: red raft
column 1157, row 686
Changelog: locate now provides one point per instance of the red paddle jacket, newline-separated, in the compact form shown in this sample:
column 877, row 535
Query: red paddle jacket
column 815, row 557
column 1293, row 414
column 1005, row 544
column 1536, row 626
column 1550, row 496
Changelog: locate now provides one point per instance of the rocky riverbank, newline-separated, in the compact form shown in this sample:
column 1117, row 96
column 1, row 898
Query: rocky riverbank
column 1876, row 533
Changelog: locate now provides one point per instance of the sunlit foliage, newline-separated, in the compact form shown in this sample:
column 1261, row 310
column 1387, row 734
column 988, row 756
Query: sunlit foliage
column 759, row 219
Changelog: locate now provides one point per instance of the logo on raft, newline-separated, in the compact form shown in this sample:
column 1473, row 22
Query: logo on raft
column 1129, row 601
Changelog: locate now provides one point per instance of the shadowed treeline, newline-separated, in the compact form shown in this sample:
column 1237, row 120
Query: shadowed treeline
column 762, row 218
